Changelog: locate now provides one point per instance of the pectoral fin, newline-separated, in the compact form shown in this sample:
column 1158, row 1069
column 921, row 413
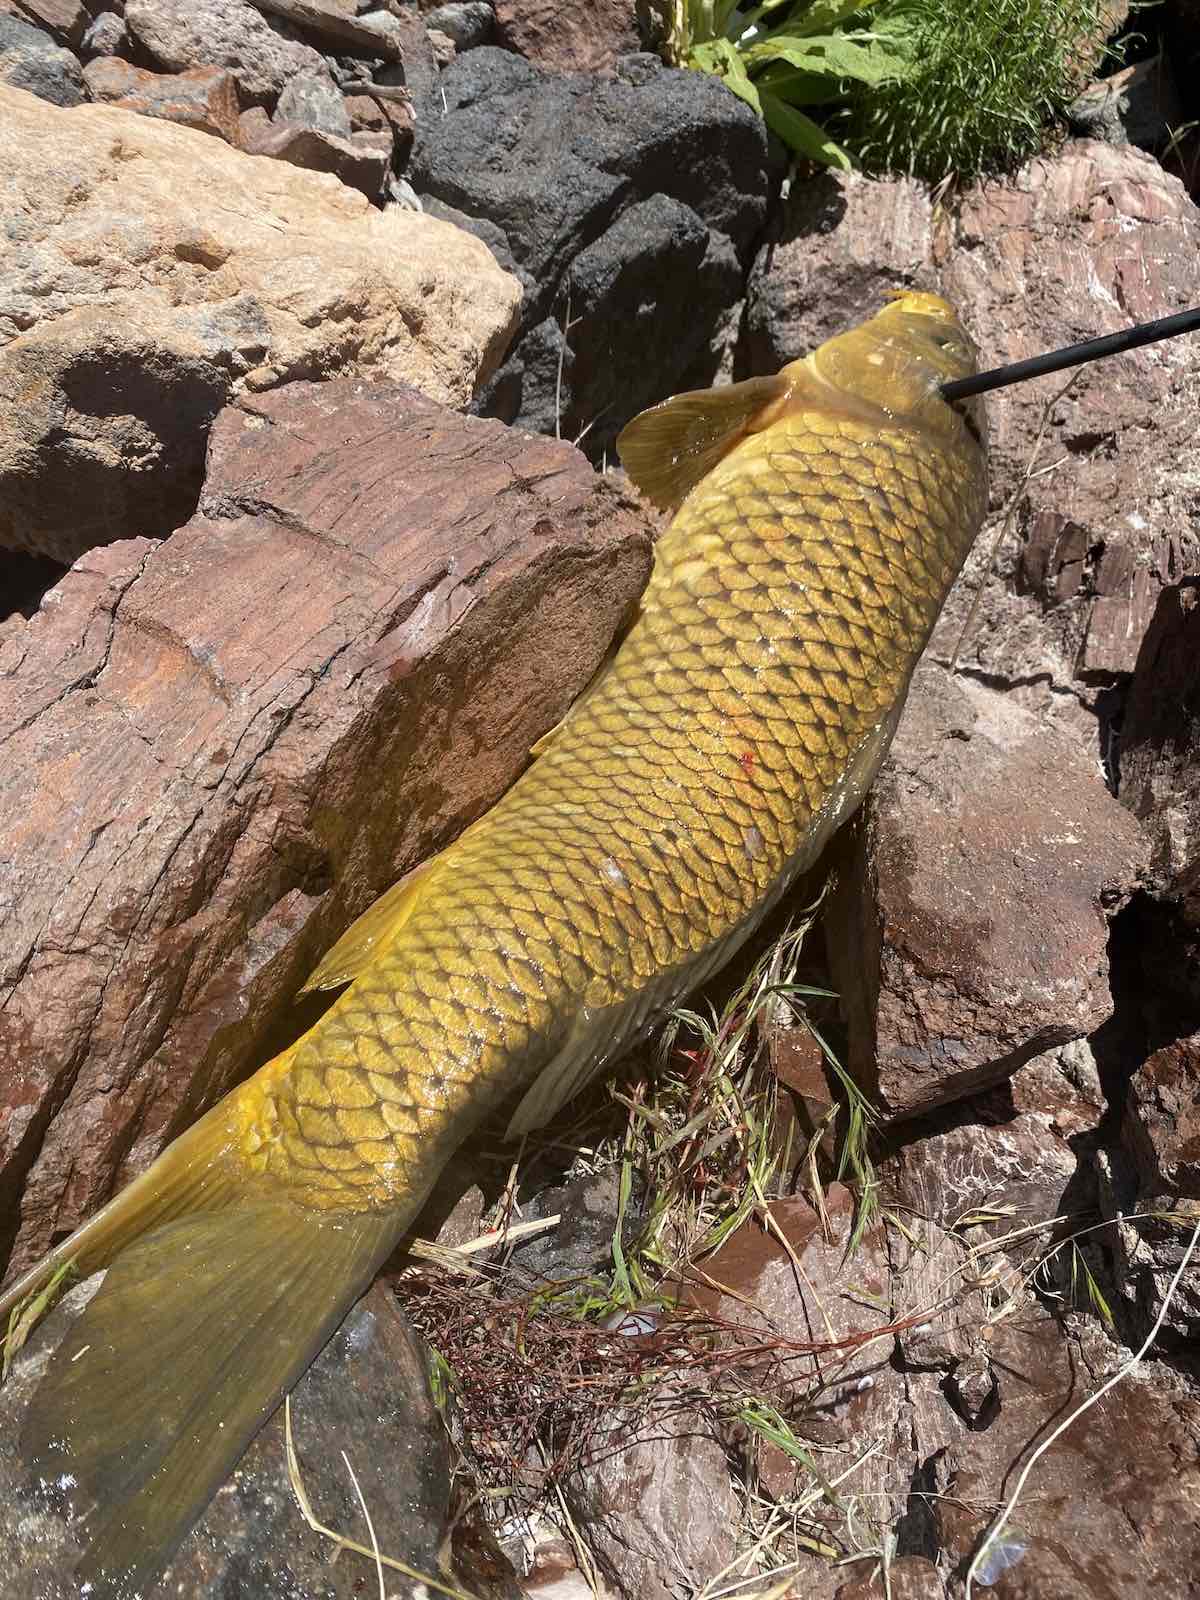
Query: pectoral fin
column 668, row 449
column 369, row 934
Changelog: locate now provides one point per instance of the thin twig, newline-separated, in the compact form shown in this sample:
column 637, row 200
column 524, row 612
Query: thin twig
column 370, row 1526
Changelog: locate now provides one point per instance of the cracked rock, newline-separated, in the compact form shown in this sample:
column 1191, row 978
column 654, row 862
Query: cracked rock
column 203, row 782
column 971, row 921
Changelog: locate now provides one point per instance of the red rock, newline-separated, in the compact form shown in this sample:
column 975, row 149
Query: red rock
column 1161, row 1128
column 203, row 97
column 220, row 748
column 970, row 929
column 1160, row 733
column 567, row 37
column 362, row 167
column 335, row 24
column 65, row 19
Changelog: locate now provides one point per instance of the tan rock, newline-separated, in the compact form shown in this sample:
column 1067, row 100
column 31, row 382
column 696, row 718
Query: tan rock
column 217, row 750
column 158, row 271
column 203, row 97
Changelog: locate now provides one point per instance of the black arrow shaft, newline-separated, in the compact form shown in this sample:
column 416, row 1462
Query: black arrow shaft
column 1074, row 355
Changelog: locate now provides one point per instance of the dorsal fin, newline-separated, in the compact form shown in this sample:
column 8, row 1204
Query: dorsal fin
column 668, row 449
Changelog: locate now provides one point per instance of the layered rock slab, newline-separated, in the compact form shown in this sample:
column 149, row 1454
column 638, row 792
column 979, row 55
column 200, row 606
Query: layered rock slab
column 152, row 273
column 970, row 927
column 219, row 749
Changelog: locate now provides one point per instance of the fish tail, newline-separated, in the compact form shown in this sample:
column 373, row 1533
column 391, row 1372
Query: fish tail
column 219, row 1294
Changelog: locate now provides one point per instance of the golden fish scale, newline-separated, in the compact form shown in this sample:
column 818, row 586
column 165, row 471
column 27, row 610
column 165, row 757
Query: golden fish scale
column 790, row 598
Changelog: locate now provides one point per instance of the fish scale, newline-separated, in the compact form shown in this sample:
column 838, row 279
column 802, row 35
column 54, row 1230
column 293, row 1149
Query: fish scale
column 663, row 811
column 822, row 515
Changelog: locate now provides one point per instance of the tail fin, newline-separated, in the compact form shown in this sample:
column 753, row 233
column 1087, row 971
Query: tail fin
column 200, row 1327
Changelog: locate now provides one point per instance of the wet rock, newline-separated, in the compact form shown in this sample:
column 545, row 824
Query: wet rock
column 374, row 34
column 1080, row 243
column 637, row 204
column 367, row 1394
column 313, row 100
column 106, row 35
column 30, row 60
column 657, row 1502
column 132, row 313
column 469, row 23
column 178, row 34
column 1160, row 733
column 581, row 1241
column 360, row 161
column 1138, row 105
column 251, row 762
column 204, row 97
column 970, row 928
column 569, row 38
column 839, row 243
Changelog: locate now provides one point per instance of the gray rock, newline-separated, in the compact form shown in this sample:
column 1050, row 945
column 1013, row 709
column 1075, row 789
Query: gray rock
column 469, row 23
column 374, row 32
column 313, row 100
column 1140, row 105
column 30, row 60
column 65, row 19
column 628, row 340
column 106, row 35
column 642, row 200
column 367, row 1394
column 220, row 33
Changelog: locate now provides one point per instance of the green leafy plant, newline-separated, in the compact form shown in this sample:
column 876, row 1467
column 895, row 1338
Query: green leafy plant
column 783, row 55
column 986, row 81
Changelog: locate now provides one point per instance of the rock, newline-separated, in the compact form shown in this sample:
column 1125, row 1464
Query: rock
column 443, row 47
column 1161, row 1127
column 908, row 1578
column 970, row 927
column 1160, row 733
column 1122, row 1480
column 106, row 35
column 178, row 34
column 204, row 97
column 367, row 1395
column 587, row 1209
column 632, row 198
column 1011, row 1153
column 359, row 166
column 469, row 23
column 313, row 100
column 65, row 19
column 1138, row 105
column 419, row 74
column 247, row 732
column 1080, row 243
column 127, row 328
column 31, row 61
column 657, row 1501
column 839, row 243
column 376, row 34
column 570, row 38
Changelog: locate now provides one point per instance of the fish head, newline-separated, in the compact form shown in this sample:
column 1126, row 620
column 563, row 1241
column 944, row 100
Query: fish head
column 898, row 360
